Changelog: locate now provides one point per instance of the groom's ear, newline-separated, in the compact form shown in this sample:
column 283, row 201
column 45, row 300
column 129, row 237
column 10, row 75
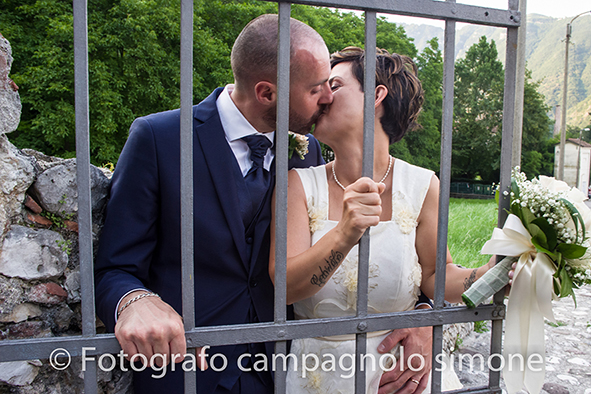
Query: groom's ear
column 266, row 92
column 381, row 93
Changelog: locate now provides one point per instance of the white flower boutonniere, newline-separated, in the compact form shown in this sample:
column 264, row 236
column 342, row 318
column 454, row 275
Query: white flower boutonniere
column 297, row 143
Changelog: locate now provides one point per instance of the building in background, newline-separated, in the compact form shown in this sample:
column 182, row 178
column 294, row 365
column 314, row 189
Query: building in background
column 577, row 161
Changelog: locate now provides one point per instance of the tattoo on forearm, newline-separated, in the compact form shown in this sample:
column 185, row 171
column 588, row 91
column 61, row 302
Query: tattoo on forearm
column 470, row 279
column 332, row 263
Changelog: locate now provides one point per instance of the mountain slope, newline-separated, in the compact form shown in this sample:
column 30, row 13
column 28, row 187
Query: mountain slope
column 545, row 44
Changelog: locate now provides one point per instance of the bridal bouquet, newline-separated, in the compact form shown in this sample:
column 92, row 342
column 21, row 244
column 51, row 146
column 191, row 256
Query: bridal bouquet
column 298, row 143
column 546, row 233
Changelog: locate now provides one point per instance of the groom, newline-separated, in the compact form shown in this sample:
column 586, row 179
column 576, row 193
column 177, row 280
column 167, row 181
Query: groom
column 137, row 272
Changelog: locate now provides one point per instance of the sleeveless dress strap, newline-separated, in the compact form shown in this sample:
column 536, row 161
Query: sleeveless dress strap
column 409, row 189
column 315, row 186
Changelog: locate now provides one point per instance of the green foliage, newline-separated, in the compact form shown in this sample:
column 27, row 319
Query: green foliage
column 557, row 324
column 481, row 326
column 134, row 61
column 424, row 145
column 57, row 220
column 478, row 109
column 65, row 245
column 133, row 69
column 537, row 157
column 134, row 65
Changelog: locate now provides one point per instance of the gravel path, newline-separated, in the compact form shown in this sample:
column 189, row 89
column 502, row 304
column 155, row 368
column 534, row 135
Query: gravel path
column 568, row 349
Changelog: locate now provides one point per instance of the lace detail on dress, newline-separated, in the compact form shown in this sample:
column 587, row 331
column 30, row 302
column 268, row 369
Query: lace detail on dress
column 314, row 384
column 347, row 275
column 416, row 276
column 403, row 213
column 316, row 215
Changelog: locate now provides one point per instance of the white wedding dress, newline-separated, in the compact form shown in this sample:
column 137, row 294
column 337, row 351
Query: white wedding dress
column 394, row 280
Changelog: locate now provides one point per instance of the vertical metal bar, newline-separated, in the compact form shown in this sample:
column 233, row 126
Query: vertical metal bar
column 564, row 101
column 505, row 184
column 281, row 136
column 83, row 181
column 444, row 190
column 520, row 85
column 186, row 162
column 367, row 170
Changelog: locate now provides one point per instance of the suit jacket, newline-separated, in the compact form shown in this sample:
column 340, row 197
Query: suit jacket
column 140, row 241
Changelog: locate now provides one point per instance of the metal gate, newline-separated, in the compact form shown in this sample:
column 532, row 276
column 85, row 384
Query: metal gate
column 281, row 330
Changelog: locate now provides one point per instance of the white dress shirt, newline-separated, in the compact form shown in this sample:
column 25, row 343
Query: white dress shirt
column 236, row 126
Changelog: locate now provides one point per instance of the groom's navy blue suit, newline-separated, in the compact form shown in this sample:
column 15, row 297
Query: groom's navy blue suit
column 140, row 242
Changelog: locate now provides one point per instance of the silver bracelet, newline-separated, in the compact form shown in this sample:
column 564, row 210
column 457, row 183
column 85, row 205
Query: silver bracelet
column 134, row 299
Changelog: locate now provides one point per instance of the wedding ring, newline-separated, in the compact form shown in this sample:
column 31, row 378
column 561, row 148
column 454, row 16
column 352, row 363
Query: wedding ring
column 415, row 381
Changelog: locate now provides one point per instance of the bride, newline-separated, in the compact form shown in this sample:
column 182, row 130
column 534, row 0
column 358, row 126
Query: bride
column 331, row 206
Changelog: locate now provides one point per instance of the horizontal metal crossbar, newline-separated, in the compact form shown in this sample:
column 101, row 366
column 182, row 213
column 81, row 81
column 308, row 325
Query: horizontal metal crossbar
column 432, row 9
column 477, row 390
column 19, row 349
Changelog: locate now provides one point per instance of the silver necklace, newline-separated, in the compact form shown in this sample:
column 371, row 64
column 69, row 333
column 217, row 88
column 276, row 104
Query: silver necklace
column 334, row 174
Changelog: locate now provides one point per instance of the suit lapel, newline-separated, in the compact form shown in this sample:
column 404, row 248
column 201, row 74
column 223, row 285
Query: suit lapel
column 219, row 156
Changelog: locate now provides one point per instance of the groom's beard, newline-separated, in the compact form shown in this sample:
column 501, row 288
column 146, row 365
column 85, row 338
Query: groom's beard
column 297, row 123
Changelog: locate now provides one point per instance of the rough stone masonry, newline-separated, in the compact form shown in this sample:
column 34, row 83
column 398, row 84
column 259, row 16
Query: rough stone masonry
column 39, row 268
column 10, row 103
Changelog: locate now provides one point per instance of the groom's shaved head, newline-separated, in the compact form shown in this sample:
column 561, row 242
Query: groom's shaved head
column 254, row 54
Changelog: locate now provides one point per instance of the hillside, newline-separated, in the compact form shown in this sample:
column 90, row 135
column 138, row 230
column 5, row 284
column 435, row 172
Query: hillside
column 544, row 55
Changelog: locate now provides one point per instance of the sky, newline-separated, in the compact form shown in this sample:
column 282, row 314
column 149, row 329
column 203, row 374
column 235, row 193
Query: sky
column 553, row 8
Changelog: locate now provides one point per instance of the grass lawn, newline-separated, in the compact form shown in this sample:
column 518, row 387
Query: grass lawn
column 471, row 223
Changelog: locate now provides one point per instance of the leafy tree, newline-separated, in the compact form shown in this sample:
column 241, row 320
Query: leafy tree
column 478, row 119
column 536, row 158
column 424, row 145
column 133, row 69
column 134, row 61
column 478, row 110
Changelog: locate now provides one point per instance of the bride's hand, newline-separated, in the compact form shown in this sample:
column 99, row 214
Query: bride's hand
column 362, row 207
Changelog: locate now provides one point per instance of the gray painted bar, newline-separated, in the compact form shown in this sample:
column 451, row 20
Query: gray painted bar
column 367, row 171
column 506, row 162
column 83, row 182
column 186, row 180
column 281, row 167
column 27, row 349
column 433, row 9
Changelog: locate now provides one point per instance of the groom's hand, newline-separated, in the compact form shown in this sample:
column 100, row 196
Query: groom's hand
column 417, row 343
column 151, row 327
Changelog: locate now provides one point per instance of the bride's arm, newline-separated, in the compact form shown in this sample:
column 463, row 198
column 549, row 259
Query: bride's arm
column 310, row 267
column 457, row 280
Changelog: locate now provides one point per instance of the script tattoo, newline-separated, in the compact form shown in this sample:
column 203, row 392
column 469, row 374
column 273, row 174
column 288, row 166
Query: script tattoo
column 470, row 280
column 331, row 264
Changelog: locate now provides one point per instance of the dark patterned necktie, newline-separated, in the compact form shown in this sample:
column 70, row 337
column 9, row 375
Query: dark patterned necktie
column 257, row 179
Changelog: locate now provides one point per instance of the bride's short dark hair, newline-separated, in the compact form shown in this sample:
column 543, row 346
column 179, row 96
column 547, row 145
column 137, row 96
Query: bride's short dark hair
column 398, row 74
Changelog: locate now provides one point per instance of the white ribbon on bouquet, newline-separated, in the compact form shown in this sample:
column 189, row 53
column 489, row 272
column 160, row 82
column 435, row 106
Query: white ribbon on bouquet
column 530, row 300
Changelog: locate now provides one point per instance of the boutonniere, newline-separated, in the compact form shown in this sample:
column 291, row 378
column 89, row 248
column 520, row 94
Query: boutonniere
column 297, row 143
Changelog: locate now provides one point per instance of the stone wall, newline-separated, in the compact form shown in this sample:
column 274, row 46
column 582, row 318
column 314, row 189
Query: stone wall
column 39, row 267
column 10, row 103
